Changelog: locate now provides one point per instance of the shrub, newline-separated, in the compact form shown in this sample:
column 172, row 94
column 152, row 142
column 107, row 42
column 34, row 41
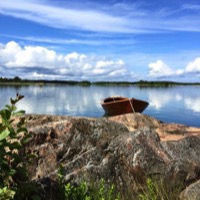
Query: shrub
column 13, row 160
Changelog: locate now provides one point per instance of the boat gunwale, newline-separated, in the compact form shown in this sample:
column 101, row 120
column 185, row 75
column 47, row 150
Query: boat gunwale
column 122, row 100
column 117, row 101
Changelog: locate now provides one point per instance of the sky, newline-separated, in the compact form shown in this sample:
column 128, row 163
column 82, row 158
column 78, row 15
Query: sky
column 95, row 40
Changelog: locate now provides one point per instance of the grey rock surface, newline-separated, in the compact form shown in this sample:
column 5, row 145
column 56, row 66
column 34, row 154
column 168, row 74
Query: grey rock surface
column 123, row 149
column 192, row 192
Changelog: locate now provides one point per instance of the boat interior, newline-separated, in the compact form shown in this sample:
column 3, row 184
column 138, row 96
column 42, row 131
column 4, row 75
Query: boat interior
column 111, row 99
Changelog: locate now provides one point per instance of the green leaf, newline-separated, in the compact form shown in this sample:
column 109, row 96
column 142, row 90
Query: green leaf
column 5, row 165
column 14, row 145
column 19, row 96
column 6, row 193
column 2, row 128
column 19, row 113
column 17, row 158
column 11, row 108
column 22, row 130
column 4, row 134
column 24, row 140
column 12, row 172
column 13, row 101
column 2, row 150
column 5, row 114
column 35, row 197
column 14, row 108
column 11, row 121
column 31, row 156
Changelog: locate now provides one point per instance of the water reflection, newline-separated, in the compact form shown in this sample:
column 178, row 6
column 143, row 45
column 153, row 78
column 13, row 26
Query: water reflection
column 60, row 100
column 193, row 104
column 161, row 98
column 158, row 99
column 176, row 104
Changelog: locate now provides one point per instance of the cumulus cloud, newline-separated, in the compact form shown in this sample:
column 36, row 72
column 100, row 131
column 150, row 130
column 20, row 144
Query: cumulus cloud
column 159, row 69
column 15, row 56
column 42, row 63
column 193, row 66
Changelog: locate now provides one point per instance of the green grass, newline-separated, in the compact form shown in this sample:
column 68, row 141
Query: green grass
column 159, row 190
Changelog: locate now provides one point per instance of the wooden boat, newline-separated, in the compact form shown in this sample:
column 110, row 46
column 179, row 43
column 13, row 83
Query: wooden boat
column 122, row 105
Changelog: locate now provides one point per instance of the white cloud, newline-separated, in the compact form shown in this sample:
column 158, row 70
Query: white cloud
column 135, row 19
column 193, row 66
column 8, row 52
column 65, row 18
column 41, row 63
column 159, row 69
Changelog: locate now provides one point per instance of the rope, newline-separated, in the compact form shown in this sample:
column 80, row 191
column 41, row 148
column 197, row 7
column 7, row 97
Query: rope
column 131, row 106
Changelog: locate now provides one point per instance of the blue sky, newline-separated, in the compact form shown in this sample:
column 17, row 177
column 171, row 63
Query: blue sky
column 97, row 40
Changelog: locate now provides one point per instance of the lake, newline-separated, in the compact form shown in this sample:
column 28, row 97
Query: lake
column 178, row 104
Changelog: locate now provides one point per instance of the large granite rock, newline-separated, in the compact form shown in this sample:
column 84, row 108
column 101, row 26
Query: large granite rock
column 192, row 192
column 123, row 149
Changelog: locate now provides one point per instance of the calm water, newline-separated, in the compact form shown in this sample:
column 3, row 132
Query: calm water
column 179, row 104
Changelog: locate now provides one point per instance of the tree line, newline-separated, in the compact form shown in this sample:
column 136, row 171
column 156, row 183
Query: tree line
column 140, row 83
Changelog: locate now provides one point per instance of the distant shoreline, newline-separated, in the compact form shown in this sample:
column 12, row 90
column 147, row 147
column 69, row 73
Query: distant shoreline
column 142, row 83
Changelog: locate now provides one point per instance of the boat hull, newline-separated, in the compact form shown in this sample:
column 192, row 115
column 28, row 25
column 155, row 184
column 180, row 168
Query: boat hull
column 121, row 105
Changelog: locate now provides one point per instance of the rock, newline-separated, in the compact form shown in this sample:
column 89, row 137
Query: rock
column 136, row 121
column 124, row 149
column 192, row 192
column 76, row 143
column 185, row 157
column 166, row 131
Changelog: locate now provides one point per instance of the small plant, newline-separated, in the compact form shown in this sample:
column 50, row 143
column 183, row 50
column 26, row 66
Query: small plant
column 86, row 192
column 70, row 191
column 13, row 137
column 104, row 191
column 75, row 192
column 159, row 190
column 98, row 190
column 6, row 193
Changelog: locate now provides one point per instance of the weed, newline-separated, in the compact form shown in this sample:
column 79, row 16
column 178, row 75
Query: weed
column 98, row 190
column 159, row 190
